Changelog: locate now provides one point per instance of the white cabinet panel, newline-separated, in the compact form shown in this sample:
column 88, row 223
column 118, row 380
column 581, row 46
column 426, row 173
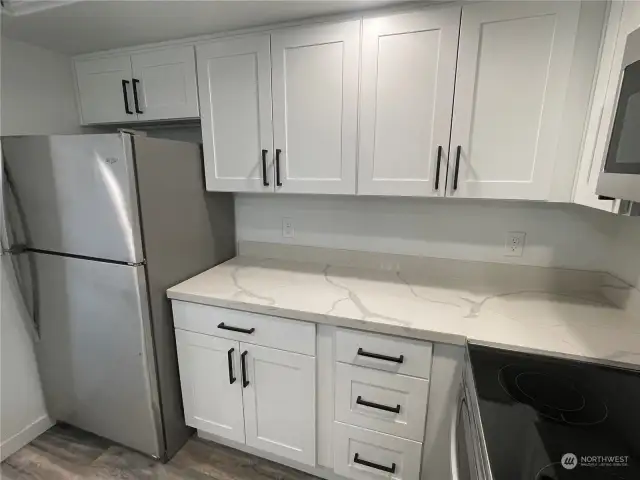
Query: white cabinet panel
column 100, row 90
column 165, row 83
column 363, row 454
column 514, row 62
column 315, row 102
column 364, row 397
column 235, row 101
column 408, row 74
column 212, row 402
column 280, row 402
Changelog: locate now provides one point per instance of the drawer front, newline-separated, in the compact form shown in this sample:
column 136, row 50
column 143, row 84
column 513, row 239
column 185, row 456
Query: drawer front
column 363, row 454
column 381, row 401
column 275, row 332
column 400, row 355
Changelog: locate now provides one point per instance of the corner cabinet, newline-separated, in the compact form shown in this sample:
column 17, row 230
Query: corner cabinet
column 308, row 78
column 143, row 86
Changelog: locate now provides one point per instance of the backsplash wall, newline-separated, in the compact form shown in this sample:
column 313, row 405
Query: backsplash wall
column 558, row 235
column 623, row 258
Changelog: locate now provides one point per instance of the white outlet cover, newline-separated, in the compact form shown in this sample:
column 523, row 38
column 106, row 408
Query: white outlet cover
column 287, row 228
column 514, row 244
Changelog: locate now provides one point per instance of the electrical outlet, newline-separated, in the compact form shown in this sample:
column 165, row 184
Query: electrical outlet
column 287, row 228
column 514, row 244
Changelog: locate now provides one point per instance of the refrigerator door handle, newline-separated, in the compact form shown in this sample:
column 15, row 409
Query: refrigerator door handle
column 13, row 251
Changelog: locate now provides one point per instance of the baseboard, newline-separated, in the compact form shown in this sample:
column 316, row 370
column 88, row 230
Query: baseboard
column 20, row 439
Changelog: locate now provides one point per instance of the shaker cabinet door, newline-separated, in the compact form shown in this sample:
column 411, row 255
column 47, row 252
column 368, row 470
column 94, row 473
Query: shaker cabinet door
column 104, row 90
column 514, row 63
column 164, row 83
column 234, row 78
column 280, row 402
column 406, row 99
column 315, row 107
column 211, row 384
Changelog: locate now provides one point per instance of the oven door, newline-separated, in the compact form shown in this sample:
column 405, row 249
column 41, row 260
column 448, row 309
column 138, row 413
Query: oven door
column 620, row 178
column 464, row 462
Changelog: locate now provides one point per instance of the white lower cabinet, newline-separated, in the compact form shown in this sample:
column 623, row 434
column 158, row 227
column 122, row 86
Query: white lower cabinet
column 364, row 454
column 280, row 402
column 211, row 384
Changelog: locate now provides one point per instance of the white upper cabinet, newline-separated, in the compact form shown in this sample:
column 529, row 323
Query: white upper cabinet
column 234, row 79
column 151, row 85
column 406, row 99
column 280, row 402
column 514, row 64
column 165, row 84
column 315, row 107
column 104, row 85
column 210, row 376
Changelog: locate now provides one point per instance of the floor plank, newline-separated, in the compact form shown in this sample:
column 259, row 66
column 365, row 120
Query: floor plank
column 67, row 453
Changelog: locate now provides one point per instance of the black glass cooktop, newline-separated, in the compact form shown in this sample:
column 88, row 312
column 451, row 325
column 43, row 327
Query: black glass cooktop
column 553, row 419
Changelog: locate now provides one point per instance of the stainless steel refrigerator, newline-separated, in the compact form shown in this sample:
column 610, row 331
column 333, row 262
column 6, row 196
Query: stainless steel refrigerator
column 97, row 228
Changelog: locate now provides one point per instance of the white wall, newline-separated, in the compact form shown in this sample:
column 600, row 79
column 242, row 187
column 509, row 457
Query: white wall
column 623, row 254
column 36, row 91
column 36, row 97
column 558, row 235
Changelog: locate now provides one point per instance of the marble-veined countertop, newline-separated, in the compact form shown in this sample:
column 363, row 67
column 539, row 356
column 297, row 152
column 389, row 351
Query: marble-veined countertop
column 576, row 322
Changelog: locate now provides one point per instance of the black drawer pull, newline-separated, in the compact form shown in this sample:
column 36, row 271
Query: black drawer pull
column 232, row 379
column 399, row 359
column 278, row 182
column 243, row 361
column 265, row 182
column 456, row 168
column 366, row 463
column 126, row 98
column 386, row 408
column 236, row 329
column 135, row 95
column 437, row 186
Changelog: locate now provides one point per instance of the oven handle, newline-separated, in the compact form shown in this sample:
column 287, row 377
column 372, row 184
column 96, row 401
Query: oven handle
column 455, row 419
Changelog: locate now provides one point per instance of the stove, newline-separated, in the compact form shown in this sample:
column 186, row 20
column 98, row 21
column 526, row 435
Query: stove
column 545, row 418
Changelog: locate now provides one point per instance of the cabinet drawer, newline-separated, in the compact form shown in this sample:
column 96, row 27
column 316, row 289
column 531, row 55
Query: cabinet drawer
column 363, row 454
column 382, row 401
column 280, row 333
column 400, row 355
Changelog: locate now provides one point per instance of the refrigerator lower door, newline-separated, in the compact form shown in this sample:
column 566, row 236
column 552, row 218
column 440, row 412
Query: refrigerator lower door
column 77, row 194
column 96, row 354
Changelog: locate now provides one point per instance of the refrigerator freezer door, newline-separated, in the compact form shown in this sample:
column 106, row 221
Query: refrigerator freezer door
column 95, row 353
column 77, row 193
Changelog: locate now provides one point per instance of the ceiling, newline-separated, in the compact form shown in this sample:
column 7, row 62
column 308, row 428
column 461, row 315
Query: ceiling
column 93, row 25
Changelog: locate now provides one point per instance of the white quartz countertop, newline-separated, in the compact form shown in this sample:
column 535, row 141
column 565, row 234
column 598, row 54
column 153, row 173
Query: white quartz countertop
column 518, row 314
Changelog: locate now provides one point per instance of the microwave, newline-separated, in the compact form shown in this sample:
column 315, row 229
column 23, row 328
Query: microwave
column 620, row 176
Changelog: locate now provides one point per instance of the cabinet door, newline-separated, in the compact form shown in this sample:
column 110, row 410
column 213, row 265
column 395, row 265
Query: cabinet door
column 101, row 90
column 513, row 69
column 165, row 83
column 315, row 103
column 408, row 74
column 211, row 384
column 280, row 402
column 234, row 78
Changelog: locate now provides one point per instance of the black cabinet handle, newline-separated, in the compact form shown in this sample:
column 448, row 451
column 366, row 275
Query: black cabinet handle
column 362, row 353
column 278, row 182
column 457, row 168
column 386, row 408
column 135, row 95
column 236, row 329
column 232, row 379
column 265, row 182
column 243, row 361
column 377, row 466
column 126, row 98
column 438, row 167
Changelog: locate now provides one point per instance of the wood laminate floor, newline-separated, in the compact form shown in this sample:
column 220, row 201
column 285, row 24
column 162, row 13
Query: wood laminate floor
column 66, row 453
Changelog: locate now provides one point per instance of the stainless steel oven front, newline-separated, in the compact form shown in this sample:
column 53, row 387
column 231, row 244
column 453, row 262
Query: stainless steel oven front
column 620, row 177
